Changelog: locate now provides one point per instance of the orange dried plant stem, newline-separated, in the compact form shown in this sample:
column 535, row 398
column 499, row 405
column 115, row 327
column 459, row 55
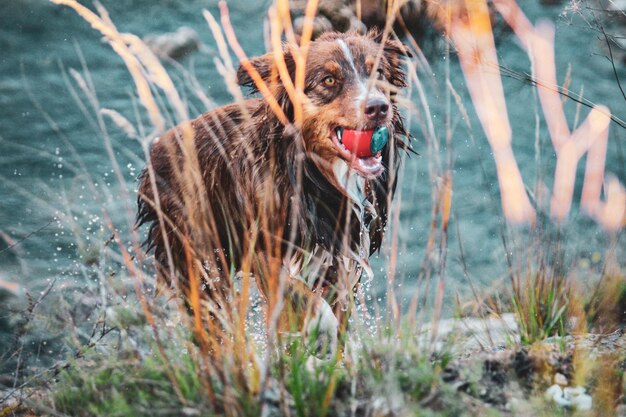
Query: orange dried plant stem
column 279, row 60
column 247, row 65
column 132, row 63
column 477, row 54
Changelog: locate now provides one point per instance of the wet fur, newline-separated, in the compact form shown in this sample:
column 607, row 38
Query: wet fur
column 233, row 193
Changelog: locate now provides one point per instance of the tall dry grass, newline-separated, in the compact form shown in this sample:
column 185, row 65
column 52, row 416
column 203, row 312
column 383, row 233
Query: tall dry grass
column 228, row 367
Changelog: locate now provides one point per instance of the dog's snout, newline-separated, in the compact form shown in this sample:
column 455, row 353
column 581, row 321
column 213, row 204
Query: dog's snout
column 376, row 109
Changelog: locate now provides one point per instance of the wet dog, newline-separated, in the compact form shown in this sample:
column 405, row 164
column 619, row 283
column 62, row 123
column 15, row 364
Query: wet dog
column 298, row 204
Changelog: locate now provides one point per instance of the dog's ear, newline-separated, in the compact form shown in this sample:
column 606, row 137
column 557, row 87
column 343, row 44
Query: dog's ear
column 394, row 46
column 394, row 51
column 262, row 64
column 267, row 68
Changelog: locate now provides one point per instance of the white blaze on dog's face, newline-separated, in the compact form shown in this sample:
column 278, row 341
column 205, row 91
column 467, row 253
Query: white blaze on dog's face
column 349, row 84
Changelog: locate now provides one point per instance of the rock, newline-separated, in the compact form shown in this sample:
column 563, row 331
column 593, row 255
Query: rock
column 373, row 13
column 342, row 16
column 336, row 12
column 560, row 379
column 473, row 333
column 357, row 26
column 554, row 391
column 578, row 398
column 331, row 7
column 174, row 45
column 320, row 25
column 575, row 398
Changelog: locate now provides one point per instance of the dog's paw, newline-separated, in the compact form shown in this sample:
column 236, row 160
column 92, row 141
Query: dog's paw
column 320, row 331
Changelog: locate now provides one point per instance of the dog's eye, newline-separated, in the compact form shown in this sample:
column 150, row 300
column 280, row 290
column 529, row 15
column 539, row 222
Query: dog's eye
column 329, row 81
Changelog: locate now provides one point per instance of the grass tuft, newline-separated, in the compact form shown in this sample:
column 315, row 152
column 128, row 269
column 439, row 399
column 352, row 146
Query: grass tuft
column 137, row 353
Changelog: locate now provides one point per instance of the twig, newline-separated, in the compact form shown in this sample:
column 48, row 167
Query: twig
column 28, row 236
column 608, row 44
column 507, row 72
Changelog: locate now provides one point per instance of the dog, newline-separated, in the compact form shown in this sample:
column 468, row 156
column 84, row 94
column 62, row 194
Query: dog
column 292, row 204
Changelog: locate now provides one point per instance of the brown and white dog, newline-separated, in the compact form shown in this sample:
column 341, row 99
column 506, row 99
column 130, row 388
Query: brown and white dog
column 243, row 191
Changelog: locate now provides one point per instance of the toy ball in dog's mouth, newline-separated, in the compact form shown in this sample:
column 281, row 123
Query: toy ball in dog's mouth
column 361, row 149
column 363, row 143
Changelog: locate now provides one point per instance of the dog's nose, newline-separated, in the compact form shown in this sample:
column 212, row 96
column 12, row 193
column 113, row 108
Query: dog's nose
column 376, row 109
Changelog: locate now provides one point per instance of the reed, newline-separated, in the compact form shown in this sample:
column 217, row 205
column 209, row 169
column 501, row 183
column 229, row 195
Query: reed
column 179, row 352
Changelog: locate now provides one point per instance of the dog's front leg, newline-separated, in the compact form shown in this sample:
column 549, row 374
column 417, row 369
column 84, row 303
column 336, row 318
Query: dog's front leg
column 309, row 314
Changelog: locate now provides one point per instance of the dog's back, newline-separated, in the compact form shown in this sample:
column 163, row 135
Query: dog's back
column 204, row 186
column 236, row 189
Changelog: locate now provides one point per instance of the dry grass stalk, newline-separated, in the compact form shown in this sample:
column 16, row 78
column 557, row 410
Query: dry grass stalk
column 472, row 35
column 227, row 358
column 147, row 71
column 474, row 42
column 247, row 65
column 591, row 136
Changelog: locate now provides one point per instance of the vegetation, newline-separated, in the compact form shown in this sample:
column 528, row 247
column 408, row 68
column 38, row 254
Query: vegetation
column 133, row 349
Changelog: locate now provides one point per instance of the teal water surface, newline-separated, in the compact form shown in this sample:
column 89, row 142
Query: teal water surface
column 60, row 223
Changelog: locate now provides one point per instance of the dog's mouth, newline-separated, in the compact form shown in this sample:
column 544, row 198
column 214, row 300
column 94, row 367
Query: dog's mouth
column 361, row 149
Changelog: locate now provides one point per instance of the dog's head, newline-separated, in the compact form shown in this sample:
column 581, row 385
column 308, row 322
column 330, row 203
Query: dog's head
column 350, row 83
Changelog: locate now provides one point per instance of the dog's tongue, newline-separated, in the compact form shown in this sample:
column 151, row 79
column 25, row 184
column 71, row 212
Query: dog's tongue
column 365, row 143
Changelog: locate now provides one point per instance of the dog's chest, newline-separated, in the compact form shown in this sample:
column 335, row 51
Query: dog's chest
column 352, row 262
column 352, row 184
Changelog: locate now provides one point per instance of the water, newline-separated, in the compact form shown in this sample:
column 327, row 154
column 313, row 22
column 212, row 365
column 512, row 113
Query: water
column 45, row 134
